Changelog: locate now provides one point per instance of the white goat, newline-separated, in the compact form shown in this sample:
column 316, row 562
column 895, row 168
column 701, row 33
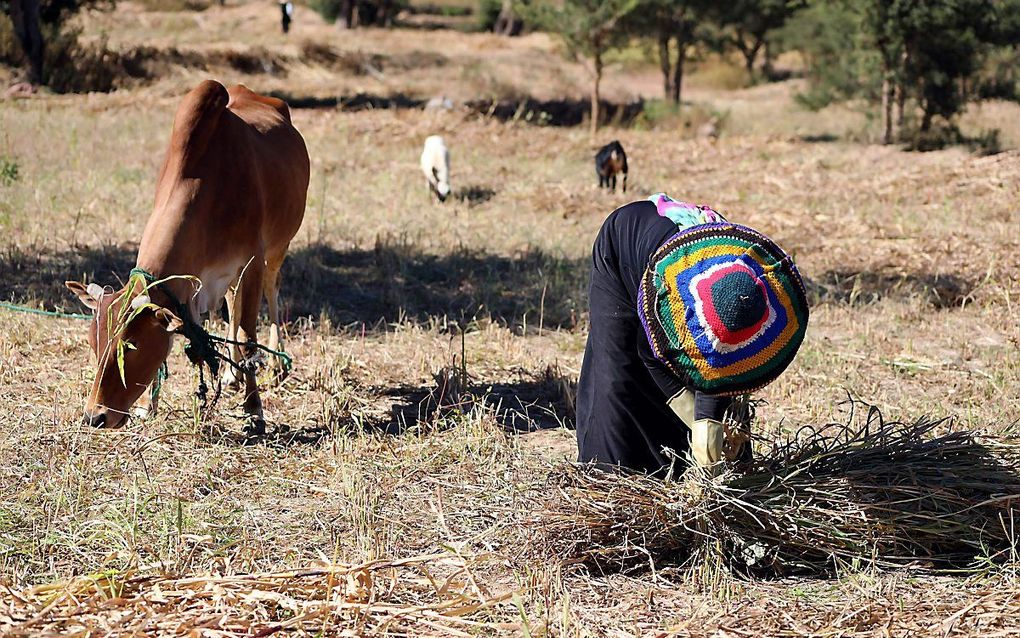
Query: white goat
column 435, row 163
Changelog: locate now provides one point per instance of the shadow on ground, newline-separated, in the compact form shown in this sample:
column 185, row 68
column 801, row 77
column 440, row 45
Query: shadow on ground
column 391, row 281
column 557, row 112
column 535, row 402
column 38, row 275
column 858, row 288
column 356, row 102
column 396, row 280
column 566, row 112
column 474, row 195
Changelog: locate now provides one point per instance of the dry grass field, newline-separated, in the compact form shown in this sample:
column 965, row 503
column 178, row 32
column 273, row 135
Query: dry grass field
column 395, row 494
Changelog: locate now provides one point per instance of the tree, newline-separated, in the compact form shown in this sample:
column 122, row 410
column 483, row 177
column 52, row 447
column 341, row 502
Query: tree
column 943, row 43
column 900, row 52
column 507, row 21
column 747, row 25
column 588, row 29
column 24, row 16
column 32, row 19
column 839, row 65
column 672, row 21
column 354, row 13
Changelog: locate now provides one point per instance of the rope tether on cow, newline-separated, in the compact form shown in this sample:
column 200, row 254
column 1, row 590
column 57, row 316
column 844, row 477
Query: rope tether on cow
column 202, row 345
column 47, row 313
column 200, row 348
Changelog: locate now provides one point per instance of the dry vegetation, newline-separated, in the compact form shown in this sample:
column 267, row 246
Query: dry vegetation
column 395, row 493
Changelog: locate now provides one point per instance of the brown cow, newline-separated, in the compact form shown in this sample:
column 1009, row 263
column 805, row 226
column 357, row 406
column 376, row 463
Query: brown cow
column 229, row 199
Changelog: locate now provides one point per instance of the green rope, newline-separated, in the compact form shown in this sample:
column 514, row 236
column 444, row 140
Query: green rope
column 45, row 313
column 201, row 346
column 157, row 384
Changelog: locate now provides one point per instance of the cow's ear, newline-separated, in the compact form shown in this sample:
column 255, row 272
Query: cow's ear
column 169, row 320
column 86, row 295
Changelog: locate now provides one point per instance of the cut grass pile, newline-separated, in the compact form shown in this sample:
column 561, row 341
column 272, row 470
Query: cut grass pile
column 877, row 494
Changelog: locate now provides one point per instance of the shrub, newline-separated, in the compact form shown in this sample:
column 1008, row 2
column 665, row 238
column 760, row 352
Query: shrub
column 9, row 170
column 487, row 13
column 362, row 12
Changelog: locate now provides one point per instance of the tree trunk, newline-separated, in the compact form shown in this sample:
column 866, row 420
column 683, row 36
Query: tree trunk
column 678, row 68
column 665, row 64
column 901, row 99
column 346, row 19
column 750, row 54
column 901, row 94
column 25, row 17
column 926, row 120
column 508, row 23
column 595, row 94
column 766, row 65
column 888, row 97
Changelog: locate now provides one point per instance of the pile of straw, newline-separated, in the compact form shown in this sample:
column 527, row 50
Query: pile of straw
column 880, row 494
column 401, row 597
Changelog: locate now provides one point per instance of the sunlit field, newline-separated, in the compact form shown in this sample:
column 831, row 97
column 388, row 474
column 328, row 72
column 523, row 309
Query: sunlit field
column 429, row 412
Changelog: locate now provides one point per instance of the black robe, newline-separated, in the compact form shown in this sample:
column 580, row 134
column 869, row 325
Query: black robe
column 623, row 419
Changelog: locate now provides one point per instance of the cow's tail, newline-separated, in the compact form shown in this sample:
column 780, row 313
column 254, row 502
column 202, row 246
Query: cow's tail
column 197, row 119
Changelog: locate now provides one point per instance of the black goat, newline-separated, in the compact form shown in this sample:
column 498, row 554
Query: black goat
column 609, row 162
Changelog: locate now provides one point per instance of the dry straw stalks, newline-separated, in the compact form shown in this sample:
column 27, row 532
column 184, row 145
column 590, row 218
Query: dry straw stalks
column 878, row 494
column 357, row 600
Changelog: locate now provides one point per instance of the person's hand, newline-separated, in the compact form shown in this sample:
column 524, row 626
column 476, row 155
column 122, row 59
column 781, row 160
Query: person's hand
column 707, row 439
column 682, row 405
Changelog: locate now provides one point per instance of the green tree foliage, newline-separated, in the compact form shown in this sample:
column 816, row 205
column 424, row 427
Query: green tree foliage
column 678, row 26
column 830, row 37
column 499, row 17
column 587, row 28
column 35, row 21
column 354, row 13
column 747, row 25
column 901, row 53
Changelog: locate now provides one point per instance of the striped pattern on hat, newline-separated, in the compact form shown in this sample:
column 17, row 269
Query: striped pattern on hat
column 723, row 307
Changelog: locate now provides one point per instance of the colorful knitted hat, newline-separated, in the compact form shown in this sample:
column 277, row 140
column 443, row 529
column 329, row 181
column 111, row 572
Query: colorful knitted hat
column 723, row 307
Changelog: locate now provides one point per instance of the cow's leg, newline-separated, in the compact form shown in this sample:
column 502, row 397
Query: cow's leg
column 614, row 182
column 271, row 290
column 231, row 378
column 250, row 292
column 624, row 182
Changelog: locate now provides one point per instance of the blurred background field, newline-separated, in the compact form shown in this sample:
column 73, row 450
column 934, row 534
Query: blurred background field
column 912, row 260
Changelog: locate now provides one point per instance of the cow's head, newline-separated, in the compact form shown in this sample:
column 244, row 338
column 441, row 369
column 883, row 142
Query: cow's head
column 130, row 337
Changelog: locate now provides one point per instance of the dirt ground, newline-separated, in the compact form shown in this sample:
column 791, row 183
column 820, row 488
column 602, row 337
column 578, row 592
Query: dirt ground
column 912, row 261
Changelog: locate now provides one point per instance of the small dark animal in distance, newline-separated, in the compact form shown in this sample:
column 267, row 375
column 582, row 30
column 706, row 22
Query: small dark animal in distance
column 610, row 161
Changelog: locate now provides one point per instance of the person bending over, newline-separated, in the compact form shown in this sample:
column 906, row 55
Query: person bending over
column 687, row 311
